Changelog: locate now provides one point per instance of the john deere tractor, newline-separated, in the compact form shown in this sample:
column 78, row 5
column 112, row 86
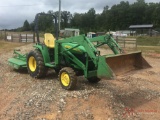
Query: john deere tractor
column 75, row 56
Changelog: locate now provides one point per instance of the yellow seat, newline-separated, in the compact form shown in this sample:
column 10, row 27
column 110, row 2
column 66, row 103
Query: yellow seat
column 49, row 40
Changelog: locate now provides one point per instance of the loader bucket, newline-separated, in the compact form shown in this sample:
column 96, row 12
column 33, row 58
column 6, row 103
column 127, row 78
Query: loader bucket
column 112, row 66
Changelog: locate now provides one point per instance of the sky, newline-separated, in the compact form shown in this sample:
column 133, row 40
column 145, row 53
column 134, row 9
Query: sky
column 13, row 13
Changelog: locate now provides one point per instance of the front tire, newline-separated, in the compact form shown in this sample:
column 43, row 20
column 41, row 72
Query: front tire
column 35, row 64
column 68, row 79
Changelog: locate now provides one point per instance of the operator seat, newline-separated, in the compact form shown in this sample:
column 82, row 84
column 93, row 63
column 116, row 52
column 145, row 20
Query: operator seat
column 49, row 40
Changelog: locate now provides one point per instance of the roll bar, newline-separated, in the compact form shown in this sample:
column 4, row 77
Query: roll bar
column 36, row 25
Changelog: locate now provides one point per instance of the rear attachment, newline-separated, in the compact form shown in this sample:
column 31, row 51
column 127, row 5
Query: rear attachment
column 18, row 61
column 119, row 64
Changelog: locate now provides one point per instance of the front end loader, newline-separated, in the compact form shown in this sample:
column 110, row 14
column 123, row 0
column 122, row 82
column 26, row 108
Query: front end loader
column 75, row 56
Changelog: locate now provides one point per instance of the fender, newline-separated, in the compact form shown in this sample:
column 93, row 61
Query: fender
column 44, row 51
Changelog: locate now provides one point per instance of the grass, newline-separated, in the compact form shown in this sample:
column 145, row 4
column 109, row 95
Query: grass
column 149, row 44
column 9, row 46
column 148, row 41
column 151, row 49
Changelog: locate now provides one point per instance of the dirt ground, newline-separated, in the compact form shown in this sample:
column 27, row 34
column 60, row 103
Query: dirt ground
column 133, row 96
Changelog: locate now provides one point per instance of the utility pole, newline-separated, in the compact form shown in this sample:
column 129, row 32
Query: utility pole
column 59, row 16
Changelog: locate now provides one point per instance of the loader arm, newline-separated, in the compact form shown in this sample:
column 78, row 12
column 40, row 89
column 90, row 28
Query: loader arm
column 91, row 51
column 109, row 40
column 101, row 68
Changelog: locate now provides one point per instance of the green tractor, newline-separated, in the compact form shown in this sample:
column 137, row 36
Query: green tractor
column 75, row 56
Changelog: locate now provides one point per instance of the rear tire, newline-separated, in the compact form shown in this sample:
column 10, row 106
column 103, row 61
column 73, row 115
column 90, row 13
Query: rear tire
column 35, row 64
column 67, row 78
column 93, row 79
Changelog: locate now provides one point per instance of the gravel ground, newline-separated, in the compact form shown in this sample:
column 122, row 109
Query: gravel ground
column 134, row 96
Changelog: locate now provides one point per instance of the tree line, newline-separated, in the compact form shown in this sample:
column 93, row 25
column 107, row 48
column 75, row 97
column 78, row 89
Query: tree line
column 118, row 17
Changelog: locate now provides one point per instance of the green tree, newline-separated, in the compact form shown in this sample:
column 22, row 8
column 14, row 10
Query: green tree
column 26, row 26
column 76, row 20
column 156, row 16
column 32, row 25
column 137, row 12
column 45, row 23
column 91, row 15
column 65, row 19
column 118, row 17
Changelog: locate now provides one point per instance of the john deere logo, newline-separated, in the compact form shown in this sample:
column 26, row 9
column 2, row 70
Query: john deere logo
column 75, row 49
column 67, row 46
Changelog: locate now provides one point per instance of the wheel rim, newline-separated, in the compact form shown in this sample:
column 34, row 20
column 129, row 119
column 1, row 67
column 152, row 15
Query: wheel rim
column 65, row 79
column 32, row 64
